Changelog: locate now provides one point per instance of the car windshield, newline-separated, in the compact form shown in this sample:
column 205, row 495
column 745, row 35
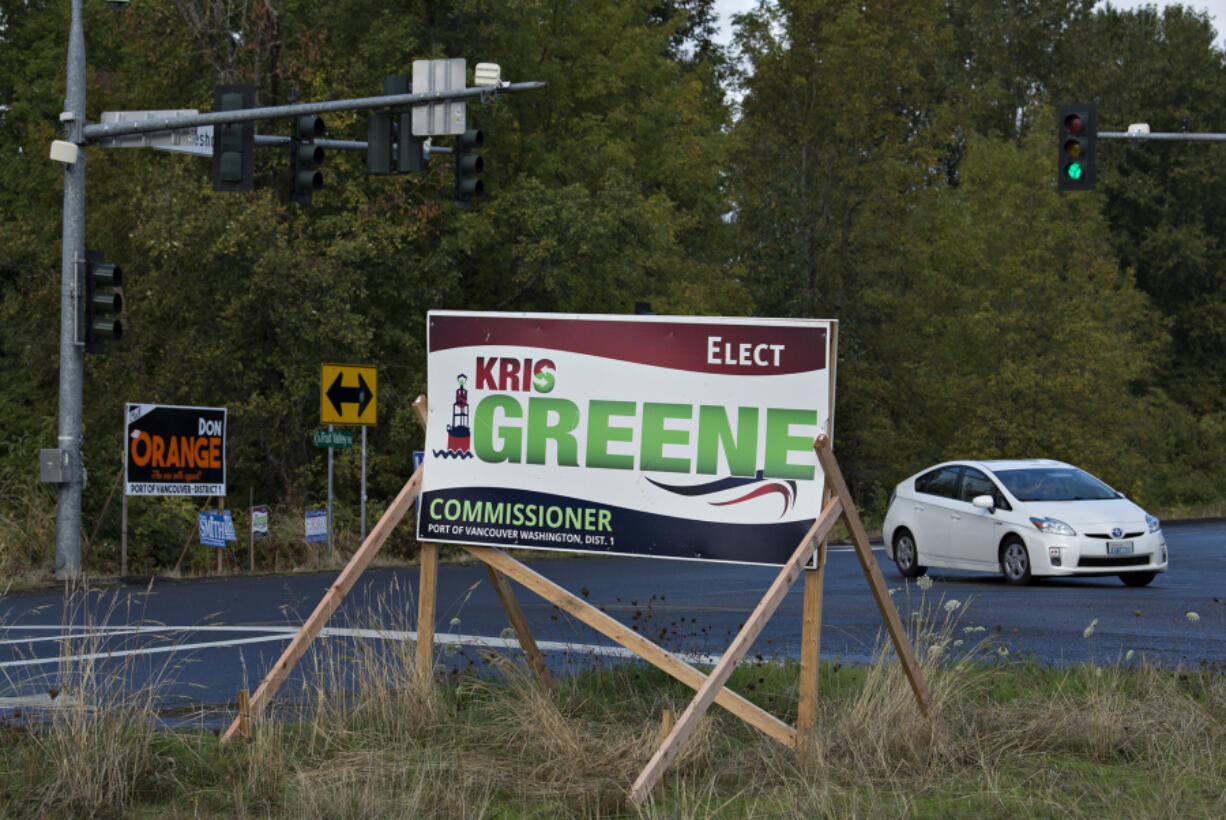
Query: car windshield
column 1054, row 484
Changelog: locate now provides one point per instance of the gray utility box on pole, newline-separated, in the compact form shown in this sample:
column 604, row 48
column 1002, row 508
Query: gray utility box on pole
column 53, row 466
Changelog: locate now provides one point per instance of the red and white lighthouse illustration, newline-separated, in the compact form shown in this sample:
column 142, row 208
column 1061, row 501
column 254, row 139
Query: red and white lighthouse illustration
column 458, row 435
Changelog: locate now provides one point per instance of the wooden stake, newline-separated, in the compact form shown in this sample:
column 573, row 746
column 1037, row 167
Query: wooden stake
column 864, row 551
column 740, row 645
column 667, row 721
column 123, row 529
column 666, row 724
column 251, row 529
column 221, row 508
column 331, row 600
column 244, row 714
column 527, row 644
column 810, row 651
column 427, row 597
column 427, row 589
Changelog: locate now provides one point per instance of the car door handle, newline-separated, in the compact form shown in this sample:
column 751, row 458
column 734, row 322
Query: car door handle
column 955, row 516
column 918, row 508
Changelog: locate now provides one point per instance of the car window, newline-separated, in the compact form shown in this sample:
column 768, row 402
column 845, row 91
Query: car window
column 975, row 483
column 1054, row 484
column 941, row 482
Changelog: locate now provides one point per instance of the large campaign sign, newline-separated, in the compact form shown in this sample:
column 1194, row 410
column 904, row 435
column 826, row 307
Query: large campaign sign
column 638, row 435
column 174, row 450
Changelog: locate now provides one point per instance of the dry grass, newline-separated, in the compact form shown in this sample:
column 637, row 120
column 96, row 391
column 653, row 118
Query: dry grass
column 1122, row 740
column 97, row 738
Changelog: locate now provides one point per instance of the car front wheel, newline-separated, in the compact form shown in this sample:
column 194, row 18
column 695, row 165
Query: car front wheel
column 906, row 556
column 1015, row 562
column 1137, row 579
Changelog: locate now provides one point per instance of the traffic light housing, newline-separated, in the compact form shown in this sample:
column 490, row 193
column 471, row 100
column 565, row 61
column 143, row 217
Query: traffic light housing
column 103, row 302
column 1077, row 131
column 234, row 143
column 306, row 157
column 467, row 167
column 391, row 147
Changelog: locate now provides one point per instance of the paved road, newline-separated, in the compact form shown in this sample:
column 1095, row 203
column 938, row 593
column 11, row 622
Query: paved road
column 203, row 640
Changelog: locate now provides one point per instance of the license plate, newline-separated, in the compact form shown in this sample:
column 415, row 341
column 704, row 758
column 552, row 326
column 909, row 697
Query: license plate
column 1119, row 548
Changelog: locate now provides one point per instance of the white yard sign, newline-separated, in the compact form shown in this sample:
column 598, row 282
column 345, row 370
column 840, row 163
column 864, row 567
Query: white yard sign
column 659, row 436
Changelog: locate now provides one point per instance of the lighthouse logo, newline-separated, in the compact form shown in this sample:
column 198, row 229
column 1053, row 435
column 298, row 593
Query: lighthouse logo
column 459, row 436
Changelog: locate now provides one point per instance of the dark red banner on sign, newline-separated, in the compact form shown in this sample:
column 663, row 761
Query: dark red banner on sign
column 695, row 346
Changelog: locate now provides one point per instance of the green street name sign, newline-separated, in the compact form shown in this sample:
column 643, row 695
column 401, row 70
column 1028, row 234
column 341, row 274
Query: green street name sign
column 333, row 438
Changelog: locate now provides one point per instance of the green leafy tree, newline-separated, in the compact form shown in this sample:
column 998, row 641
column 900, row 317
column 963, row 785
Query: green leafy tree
column 1165, row 213
column 1016, row 334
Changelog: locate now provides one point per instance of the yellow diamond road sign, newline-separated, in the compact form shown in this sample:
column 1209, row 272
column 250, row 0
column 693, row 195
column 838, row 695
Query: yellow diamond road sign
column 348, row 394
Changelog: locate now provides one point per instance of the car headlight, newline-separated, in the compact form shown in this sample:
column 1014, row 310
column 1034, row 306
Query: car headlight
column 1052, row 526
column 1154, row 523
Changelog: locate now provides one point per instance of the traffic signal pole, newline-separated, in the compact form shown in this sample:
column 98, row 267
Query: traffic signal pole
column 1162, row 136
column 72, row 349
column 64, row 465
column 99, row 131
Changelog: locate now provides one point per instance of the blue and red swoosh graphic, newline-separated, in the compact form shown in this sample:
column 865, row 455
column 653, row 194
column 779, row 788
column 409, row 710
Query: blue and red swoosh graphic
column 786, row 489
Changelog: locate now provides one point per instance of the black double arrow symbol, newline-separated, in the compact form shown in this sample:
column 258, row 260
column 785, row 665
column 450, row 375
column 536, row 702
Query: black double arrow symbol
column 361, row 395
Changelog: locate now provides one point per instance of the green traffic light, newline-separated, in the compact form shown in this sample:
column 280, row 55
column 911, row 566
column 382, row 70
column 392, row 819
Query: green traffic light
column 1073, row 170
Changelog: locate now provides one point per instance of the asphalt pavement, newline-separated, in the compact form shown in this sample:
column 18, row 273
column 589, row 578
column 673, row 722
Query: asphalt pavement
column 200, row 641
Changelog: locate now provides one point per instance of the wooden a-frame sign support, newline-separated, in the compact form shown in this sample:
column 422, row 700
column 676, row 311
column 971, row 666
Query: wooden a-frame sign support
column 708, row 688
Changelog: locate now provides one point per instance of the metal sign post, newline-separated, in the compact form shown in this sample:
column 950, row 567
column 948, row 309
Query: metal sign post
column 363, row 499
column 331, row 547
column 348, row 394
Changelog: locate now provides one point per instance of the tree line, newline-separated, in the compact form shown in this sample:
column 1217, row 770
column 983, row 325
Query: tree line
column 890, row 165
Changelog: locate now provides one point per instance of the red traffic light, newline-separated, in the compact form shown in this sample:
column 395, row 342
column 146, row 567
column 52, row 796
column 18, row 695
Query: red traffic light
column 1073, row 123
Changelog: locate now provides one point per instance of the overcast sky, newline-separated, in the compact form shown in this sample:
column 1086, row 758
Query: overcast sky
column 1216, row 9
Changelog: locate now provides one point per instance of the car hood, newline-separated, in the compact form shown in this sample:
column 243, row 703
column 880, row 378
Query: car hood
column 1074, row 513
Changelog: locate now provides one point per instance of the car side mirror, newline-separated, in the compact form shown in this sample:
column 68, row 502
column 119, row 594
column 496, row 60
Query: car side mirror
column 984, row 502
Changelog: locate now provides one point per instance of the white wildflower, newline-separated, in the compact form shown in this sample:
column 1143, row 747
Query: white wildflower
column 1089, row 630
column 924, row 583
column 935, row 650
column 1002, row 651
column 1128, row 655
column 958, row 642
column 507, row 633
column 952, row 604
column 1191, row 616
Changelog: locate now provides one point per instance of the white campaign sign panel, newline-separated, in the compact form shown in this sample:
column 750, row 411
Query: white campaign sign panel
column 674, row 437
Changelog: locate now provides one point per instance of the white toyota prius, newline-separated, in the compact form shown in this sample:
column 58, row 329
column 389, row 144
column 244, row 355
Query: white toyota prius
column 1022, row 518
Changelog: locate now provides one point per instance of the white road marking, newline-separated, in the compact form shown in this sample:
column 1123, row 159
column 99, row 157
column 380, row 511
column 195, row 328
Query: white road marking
column 285, row 633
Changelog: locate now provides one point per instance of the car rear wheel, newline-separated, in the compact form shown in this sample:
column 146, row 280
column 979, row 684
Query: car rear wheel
column 1137, row 579
column 1015, row 562
column 906, row 555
